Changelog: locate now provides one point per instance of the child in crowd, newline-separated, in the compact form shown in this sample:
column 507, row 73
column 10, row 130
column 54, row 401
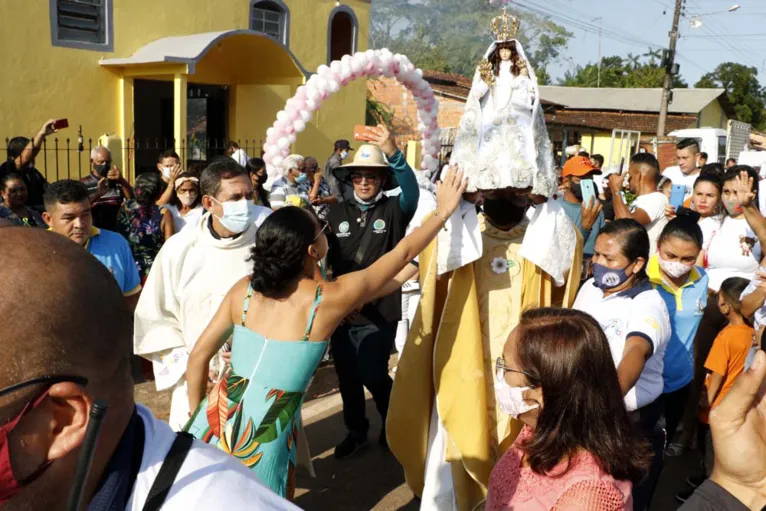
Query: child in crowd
column 724, row 364
column 665, row 186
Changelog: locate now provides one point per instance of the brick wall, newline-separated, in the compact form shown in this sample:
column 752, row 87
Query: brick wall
column 401, row 102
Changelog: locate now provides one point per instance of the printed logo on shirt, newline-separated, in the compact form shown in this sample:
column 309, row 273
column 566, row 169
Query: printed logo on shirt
column 613, row 330
column 700, row 307
column 652, row 323
column 343, row 229
column 379, row 226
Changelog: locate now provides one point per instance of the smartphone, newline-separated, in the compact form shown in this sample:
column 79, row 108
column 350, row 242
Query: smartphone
column 60, row 124
column 360, row 133
column 588, row 188
column 677, row 196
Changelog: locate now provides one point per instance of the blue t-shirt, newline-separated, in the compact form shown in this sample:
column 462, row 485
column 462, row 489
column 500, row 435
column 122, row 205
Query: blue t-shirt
column 574, row 212
column 114, row 252
column 685, row 307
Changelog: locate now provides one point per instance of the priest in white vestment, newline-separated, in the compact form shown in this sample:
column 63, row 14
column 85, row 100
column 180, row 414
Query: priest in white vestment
column 191, row 276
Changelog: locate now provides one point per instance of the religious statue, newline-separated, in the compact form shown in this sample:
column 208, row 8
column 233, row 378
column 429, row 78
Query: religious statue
column 444, row 424
column 502, row 140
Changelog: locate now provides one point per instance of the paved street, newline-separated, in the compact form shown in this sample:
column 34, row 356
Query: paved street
column 372, row 479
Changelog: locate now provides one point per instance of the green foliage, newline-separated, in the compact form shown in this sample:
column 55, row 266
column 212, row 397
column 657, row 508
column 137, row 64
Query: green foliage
column 378, row 113
column 745, row 92
column 452, row 35
column 633, row 71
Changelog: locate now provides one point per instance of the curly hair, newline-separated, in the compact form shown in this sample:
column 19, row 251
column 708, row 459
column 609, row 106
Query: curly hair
column 149, row 187
column 565, row 352
column 281, row 245
column 517, row 64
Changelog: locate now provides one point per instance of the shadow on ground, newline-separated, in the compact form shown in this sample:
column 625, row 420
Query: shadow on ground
column 369, row 480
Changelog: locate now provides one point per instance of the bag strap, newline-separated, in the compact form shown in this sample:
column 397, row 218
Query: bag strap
column 168, row 471
column 365, row 242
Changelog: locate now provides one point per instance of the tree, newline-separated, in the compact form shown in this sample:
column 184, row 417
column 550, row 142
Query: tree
column 745, row 92
column 452, row 35
column 617, row 72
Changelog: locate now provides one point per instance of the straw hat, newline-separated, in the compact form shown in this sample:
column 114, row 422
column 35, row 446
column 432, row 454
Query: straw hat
column 367, row 156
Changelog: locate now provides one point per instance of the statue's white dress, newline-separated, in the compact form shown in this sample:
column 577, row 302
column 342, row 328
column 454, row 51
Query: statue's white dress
column 502, row 140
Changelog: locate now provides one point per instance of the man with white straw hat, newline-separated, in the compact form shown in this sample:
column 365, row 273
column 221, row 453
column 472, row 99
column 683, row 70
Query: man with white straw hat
column 363, row 230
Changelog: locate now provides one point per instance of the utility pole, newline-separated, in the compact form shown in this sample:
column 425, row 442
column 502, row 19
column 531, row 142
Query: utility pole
column 669, row 64
column 600, row 24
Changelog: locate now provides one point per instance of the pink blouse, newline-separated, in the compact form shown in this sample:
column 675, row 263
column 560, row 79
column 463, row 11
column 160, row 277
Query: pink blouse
column 584, row 486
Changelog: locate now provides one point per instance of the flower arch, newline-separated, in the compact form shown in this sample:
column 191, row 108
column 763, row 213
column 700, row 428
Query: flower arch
column 299, row 110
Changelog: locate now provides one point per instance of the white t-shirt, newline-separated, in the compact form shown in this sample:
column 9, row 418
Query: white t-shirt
column 759, row 318
column 709, row 226
column 724, row 253
column 654, row 204
column 180, row 221
column 639, row 311
column 208, row 478
column 679, row 178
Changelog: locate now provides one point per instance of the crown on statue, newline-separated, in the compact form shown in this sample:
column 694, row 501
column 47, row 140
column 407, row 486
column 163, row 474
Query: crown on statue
column 506, row 26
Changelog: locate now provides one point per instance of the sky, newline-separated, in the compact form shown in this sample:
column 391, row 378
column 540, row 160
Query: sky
column 631, row 26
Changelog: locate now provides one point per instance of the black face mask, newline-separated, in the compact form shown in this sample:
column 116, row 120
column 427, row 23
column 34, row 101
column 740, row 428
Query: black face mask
column 576, row 189
column 503, row 212
column 103, row 169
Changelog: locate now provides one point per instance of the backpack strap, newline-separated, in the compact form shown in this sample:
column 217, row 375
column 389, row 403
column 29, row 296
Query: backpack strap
column 168, row 471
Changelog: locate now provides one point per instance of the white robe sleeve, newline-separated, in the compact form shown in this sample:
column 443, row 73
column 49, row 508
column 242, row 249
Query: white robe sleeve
column 157, row 324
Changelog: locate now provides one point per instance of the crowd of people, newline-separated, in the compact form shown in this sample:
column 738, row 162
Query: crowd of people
column 234, row 289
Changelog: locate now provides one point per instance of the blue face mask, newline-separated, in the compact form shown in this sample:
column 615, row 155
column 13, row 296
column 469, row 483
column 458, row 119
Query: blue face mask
column 607, row 278
column 301, row 177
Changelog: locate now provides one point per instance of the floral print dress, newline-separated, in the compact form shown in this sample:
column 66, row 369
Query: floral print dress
column 254, row 412
column 142, row 227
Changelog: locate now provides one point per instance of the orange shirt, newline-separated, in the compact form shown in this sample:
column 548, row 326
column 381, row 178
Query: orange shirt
column 688, row 203
column 727, row 358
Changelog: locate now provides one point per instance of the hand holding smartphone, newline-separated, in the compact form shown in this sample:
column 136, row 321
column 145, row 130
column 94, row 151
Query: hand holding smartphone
column 677, row 196
column 60, row 124
column 588, row 188
column 361, row 133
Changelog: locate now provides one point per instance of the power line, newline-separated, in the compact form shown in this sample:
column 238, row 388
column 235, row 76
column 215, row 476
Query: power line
column 586, row 26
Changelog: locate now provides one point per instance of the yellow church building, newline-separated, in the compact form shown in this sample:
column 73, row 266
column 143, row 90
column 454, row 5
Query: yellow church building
column 183, row 74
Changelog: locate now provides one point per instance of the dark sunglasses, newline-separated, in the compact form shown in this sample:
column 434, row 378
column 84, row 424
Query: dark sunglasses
column 357, row 178
column 313, row 168
column 48, row 381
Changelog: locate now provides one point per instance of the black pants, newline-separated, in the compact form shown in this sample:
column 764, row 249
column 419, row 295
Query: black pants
column 361, row 354
column 674, row 404
column 711, row 325
column 646, row 419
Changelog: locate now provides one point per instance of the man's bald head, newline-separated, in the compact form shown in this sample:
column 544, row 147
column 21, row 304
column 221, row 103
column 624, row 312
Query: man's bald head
column 62, row 311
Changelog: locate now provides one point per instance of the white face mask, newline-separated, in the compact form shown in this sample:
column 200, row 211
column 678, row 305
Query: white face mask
column 343, row 155
column 187, row 199
column 236, row 215
column 675, row 269
column 166, row 172
column 511, row 399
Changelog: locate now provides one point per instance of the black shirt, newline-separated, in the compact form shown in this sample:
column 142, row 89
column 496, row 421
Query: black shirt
column 35, row 181
column 711, row 497
column 383, row 226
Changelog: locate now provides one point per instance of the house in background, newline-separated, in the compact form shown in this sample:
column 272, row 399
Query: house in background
column 183, row 74
column 573, row 115
column 598, row 112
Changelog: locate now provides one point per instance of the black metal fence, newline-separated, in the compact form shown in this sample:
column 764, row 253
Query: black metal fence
column 68, row 158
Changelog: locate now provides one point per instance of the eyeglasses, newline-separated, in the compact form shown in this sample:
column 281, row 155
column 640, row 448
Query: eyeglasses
column 358, row 178
column 325, row 227
column 48, row 381
column 313, row 168
column 501, row 369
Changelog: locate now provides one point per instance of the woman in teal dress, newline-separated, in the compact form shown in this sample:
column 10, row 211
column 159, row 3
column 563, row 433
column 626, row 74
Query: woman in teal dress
column 281, row 317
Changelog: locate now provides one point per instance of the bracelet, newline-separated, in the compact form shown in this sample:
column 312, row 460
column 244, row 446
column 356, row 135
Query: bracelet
column 443, row 219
